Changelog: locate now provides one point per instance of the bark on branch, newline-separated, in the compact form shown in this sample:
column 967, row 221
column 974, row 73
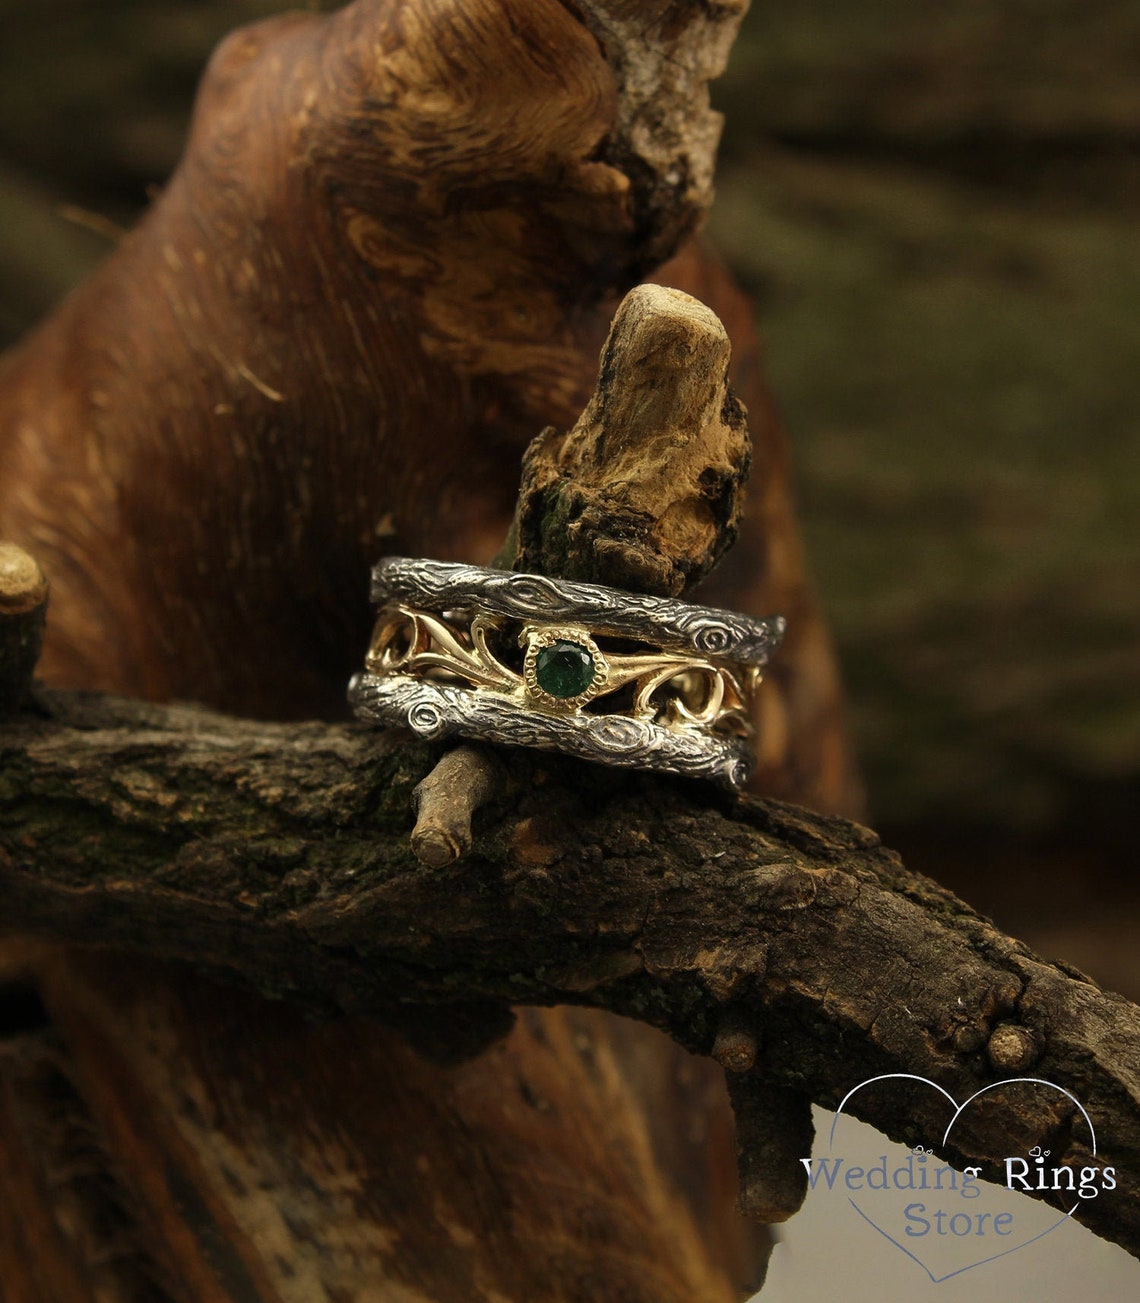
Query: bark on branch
column 278, row 855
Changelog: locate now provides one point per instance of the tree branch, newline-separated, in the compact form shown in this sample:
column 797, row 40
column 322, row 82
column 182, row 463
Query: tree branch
column 278, row 855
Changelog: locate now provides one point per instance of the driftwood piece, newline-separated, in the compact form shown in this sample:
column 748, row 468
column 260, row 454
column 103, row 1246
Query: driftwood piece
column 645, row 492
column 653, row 898
column 663, row 55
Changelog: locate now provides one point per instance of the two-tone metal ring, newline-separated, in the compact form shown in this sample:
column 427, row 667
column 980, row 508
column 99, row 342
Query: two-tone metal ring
column 524, row 660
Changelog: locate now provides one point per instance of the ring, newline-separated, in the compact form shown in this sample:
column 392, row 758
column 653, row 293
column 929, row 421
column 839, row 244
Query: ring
column 619, row 678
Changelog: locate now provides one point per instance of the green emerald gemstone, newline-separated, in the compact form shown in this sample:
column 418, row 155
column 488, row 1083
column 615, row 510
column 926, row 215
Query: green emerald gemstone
column 564, row 669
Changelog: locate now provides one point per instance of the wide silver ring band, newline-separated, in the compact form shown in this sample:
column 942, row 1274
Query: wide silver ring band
column 525, row 660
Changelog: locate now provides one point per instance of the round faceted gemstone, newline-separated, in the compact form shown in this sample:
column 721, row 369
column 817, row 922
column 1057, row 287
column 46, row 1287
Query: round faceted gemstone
column 564, row 669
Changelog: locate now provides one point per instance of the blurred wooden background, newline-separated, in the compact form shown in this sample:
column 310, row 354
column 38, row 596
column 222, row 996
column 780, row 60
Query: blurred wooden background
column 935, row 206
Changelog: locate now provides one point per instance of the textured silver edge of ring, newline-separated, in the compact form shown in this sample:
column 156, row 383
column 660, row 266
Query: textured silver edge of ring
column 435, row 711
column 438, row 710
column 707, row 630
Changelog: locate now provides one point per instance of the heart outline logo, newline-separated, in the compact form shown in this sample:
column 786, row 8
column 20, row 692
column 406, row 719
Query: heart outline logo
column 958, row 1111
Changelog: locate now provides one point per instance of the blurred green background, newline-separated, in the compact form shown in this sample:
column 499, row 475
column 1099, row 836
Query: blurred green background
column 935, row 207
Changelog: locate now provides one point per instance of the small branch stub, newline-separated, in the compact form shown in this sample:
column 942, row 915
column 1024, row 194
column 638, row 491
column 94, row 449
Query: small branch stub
column 1012, row 1048
column 462, row 781
column 774, row 1130
column 23, row 609
column 735, row 1047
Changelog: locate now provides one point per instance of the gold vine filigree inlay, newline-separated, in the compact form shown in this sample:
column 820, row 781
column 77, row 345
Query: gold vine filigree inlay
column 680, row 691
